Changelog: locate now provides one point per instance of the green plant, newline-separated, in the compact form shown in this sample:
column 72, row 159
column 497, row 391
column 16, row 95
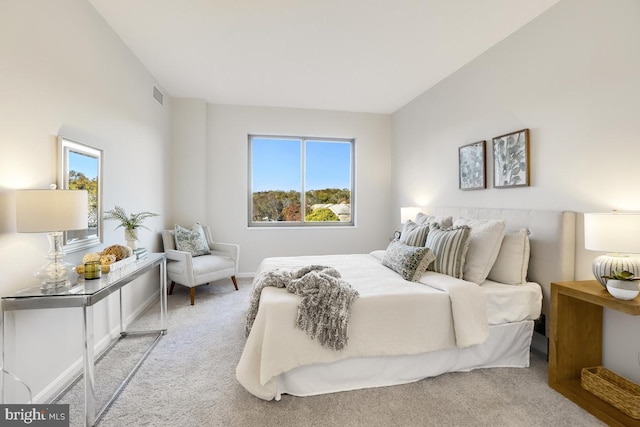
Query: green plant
column 321, row 214
column 626, row 276
column 128, row 222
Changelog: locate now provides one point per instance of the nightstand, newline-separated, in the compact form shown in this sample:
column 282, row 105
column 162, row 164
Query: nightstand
column 576, row 342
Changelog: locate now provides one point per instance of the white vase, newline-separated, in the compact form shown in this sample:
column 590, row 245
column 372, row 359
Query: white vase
column 131, row 236
column 623, row 289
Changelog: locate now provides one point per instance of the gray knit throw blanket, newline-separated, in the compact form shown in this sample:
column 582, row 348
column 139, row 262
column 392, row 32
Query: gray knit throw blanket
column 326, row 302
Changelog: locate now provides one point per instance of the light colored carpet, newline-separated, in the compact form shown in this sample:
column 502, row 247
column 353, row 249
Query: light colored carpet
column 189, row 380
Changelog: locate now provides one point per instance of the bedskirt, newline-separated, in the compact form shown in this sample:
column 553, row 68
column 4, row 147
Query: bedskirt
column 507, row 346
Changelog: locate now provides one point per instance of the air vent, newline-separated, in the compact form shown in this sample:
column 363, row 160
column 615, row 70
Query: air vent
column 158, row 95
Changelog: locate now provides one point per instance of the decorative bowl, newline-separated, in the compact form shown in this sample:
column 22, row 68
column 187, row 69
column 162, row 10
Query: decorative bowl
column 623, row 289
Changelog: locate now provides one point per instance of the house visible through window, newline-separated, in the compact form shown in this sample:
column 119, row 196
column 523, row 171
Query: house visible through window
column 296, row 181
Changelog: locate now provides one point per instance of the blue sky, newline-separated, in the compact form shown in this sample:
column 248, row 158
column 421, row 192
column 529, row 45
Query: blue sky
column 276, row 164
column 82, row 163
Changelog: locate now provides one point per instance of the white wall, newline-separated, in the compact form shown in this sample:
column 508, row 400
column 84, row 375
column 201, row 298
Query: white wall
column 225, row 187
column 187, row 169
column 64, row 71
column 571, row 77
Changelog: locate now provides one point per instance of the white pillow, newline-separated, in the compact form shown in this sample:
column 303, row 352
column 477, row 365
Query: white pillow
column 485, row 240
column 442, row 221
column 512, row 263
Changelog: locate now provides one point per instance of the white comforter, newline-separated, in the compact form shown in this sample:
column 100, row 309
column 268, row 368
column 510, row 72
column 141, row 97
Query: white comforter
column 391, row 317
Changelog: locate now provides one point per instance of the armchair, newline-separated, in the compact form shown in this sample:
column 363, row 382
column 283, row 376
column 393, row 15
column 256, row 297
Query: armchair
column 190, row 271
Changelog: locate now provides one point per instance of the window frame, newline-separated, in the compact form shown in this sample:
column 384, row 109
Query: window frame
column 302, row 223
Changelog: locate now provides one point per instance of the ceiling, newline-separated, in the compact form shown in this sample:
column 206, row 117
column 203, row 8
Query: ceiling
column 347, row 55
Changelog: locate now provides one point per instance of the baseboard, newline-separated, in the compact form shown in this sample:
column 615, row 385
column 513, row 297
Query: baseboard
column 53, row 389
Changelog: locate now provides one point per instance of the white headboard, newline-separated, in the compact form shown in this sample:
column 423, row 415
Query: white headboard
column 552, row 236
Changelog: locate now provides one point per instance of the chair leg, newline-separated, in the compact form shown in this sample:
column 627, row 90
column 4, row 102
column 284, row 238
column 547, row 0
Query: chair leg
column 233, row 278
column 192, row 292
column 171, row 287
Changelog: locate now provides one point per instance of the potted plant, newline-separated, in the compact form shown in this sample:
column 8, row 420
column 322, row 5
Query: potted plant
column 130, row 223
column 623, row 285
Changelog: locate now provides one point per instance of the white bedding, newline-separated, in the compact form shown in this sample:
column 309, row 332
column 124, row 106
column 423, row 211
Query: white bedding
column 392, row 317
column 506, row 347
column 512, row 303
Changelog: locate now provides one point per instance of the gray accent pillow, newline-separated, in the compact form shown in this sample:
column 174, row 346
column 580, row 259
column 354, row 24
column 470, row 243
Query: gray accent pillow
column 414, row 234
column 193, row 241
column 409, row 261
column 450, row 246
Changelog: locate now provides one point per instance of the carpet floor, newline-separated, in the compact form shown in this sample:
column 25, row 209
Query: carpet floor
column 189, row 380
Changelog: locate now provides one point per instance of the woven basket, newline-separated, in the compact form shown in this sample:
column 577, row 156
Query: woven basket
column 613, row 389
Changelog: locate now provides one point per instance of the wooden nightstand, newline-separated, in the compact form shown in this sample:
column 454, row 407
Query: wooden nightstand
column 576, row 342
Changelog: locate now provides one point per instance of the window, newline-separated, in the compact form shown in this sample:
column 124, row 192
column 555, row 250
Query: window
column 297, row 181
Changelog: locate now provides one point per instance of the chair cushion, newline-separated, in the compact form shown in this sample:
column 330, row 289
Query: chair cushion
column 208, row 263
column 193, row 241
column 205, row 269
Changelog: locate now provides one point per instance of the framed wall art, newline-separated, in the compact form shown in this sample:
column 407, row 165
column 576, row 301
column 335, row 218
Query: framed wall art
column 80, row 168
column 511, row 160
column 472, row 170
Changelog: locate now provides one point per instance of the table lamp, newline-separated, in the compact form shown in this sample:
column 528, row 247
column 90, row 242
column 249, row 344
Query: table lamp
column 53, row 212
column 409, row 213
column 616, row 233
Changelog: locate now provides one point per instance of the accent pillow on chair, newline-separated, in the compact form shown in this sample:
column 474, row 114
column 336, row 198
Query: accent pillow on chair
column 193, row 241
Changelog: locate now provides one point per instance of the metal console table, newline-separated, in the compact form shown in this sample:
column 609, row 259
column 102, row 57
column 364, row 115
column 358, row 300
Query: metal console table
column 84, row 294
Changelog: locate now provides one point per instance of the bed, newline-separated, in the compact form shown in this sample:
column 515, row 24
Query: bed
column 403, row 330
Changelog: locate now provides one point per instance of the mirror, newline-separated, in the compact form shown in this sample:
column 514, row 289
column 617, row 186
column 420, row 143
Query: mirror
column 80, row 168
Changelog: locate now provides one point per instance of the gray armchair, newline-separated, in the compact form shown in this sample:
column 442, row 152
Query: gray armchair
column 190, row 271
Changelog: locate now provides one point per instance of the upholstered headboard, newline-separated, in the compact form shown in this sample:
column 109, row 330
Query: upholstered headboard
column 552, row 239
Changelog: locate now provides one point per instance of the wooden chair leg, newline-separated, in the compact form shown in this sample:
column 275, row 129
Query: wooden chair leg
column 233, row 278
column 192, row 292
column 171, row 287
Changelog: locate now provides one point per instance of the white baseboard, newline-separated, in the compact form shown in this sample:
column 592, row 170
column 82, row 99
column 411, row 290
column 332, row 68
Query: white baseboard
column 76, row 368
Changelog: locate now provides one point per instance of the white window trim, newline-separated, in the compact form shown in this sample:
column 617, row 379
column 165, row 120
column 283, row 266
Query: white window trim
column 301, row 224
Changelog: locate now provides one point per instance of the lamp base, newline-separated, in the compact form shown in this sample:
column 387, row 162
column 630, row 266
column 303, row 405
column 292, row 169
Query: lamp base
column 604, row 265
column 56, row 273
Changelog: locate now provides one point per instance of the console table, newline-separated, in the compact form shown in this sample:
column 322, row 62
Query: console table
column 84, row 294
column 576, row 342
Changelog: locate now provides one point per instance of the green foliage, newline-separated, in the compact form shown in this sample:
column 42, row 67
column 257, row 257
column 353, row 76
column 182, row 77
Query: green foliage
column 328, row 196
column 626, row 276
column 128, row 222
column 275, row 205
column 78, row 181
column 321, row 214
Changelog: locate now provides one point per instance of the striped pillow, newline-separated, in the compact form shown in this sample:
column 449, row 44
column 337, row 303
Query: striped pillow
column 450, row 246
column 414, row 234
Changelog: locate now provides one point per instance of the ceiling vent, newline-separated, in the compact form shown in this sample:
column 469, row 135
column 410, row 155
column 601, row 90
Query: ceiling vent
column 158, row 95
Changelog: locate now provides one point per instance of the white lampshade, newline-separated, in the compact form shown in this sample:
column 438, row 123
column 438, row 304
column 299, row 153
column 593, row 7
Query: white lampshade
column 615, row 233
column 409, row 213
column 52, row 212
column 42, row 211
